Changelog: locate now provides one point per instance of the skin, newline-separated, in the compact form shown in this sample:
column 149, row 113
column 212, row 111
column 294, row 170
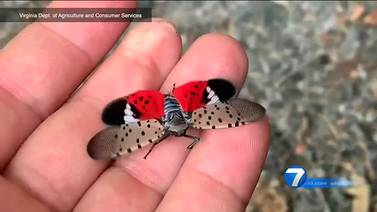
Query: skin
column 46, row 125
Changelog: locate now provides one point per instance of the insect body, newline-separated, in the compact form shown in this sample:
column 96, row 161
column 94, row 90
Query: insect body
column 176, row 121
column 148, row 117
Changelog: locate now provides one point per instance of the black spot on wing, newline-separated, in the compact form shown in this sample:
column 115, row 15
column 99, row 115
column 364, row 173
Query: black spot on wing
column 222, row 88
column 135, row 111
column 114, row 112
column 204, row 97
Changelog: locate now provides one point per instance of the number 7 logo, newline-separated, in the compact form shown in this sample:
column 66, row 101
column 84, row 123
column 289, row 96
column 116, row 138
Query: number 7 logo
column 295, row 176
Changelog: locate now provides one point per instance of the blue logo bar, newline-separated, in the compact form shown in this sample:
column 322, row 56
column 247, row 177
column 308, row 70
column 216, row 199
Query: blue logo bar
column 297, row 177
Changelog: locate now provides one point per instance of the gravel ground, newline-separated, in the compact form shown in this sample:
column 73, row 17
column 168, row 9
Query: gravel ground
column 313, row 65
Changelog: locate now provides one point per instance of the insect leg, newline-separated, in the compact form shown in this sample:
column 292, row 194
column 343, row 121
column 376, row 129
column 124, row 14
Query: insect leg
column 194, row 138
column 153, row 145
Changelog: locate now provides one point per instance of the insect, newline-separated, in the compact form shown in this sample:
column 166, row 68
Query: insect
column 148, row 116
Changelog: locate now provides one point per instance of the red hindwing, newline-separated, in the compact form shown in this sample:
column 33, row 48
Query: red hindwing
column 141, row 105
column 149, row 103
column 196, row 94
column 190, row 95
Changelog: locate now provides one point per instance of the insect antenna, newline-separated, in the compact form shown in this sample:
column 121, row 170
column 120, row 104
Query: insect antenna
column 173, row 88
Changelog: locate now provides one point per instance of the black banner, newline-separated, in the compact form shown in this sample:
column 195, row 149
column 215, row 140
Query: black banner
column 75, row 14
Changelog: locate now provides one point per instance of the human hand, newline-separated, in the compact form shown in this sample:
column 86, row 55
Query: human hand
column 50, row 129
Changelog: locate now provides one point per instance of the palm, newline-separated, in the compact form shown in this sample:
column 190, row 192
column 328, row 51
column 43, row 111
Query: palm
column 46, row 157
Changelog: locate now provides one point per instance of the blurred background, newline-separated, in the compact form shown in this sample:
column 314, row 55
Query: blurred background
column 313, row 65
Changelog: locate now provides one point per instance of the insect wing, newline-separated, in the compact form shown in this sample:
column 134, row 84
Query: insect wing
column 248, row 110
column 189, row 95
column 196, row 94
column 141, row 105
column 236, row 112
column 115, row 141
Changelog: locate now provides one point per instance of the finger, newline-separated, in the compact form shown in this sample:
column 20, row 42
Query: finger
column 221, row 171
column 13, row 198
column 62, row 165
column 38, row 73
column 136, row 184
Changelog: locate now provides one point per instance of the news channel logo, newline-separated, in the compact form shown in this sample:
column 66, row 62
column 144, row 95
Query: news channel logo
column 297, row 177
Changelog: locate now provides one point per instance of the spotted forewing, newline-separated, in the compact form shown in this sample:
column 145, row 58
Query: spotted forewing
column 115, row 141
column 234, row 113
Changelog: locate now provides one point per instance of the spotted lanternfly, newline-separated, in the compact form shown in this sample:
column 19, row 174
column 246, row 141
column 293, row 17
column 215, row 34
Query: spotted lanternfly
column 148, row 116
